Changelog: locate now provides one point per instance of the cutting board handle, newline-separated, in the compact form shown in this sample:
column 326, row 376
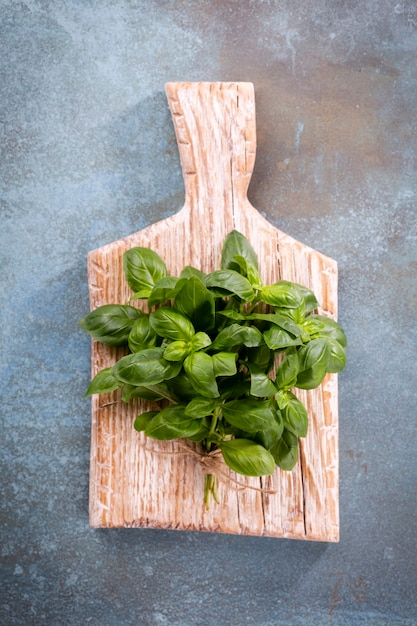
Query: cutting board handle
column 216, row 134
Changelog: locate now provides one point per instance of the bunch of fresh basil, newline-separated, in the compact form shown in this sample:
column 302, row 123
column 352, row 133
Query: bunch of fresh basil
column 209, row 346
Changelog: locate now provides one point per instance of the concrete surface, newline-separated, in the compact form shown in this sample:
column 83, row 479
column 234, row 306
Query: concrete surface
column 88, row 156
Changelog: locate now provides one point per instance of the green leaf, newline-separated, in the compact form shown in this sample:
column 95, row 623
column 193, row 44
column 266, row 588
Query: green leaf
column 103, row 382
column 247, row 457
column 200, row 407
column 224, row 363
column 261, row 386
column 177, row 350
column 234, row 245
column 262, row 357
column 111, row 323
column 163, row 290
column 270, row 436
column 172, row 423
column 196, row 302
column 311, row 378
column 143, row 269
column 232, row 282
column 199, row 368
column 282, row 294
column 171, row 324
column 200, row 341
column 337, row 356
column 233, row 387
column 287, row 372
column 203, row 432
column 282, row 319
column 190, row 272
column 250, row 271
column 143, row 420
column 310, row 301
column 281, row 398
column 172, row 369
column 313, row 359
column 233, row 315
column 298, row 315
column 295, row 415
column 154, row 393
column 147, row 367
column 249, row 415
column 285, row 451
column 236, row 335
column 319, row 327
column 181, row 387
column 142, row 335
column 277, row 339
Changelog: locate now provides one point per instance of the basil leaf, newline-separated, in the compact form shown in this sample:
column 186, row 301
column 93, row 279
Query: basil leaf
column 247, row 457
column 200, row 341
column 249, row 270
column 285, row 451
column 261, row 385
column 337, row 356
column 312, row 359
column 319, row 326
column 270, row 436
column 200, row 370
column 190, row 272
column 172, row 423
column 281, row 398
column 232, row 282
column 143, row 269
column 142, row 335
column 224, row 363
column 236, row 335
column 233, row 387
column 287, row 372
column 196, row 302
column 111, row 323
column 262, row 356
column 297, row 314
column 143, row 420
column 171, row 324
column 249, row 414
column 200, row 407
column 282, row 294
column 177, row 350
column 147, row 367
column 172, row 369
column 154, row 393
column 103, row 382
column 163, row 290
column 181, row 387
column 295, row 416
column 277, row 339
column 234, row 245
column 283, row 320
column 203, row 432
column 311, row 378
column 310, row 301
column 234, row 315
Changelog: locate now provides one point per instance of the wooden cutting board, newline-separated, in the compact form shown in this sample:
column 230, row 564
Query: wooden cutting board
column 139, row 482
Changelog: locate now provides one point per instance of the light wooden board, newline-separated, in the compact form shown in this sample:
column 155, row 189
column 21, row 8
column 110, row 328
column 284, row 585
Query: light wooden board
column 139, row 482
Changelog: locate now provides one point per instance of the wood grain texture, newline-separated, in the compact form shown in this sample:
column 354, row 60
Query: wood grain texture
column 139, row 482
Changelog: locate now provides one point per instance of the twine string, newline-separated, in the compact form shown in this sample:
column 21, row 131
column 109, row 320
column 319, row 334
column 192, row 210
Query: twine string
column 210, row 463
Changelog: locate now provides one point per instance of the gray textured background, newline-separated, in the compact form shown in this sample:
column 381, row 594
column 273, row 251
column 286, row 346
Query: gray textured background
column 88, row 156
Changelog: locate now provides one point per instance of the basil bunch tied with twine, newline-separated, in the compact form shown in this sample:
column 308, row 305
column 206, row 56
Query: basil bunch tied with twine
column 219, row 355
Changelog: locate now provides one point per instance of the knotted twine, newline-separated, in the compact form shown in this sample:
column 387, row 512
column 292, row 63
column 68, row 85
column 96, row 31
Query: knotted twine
column 210, row 463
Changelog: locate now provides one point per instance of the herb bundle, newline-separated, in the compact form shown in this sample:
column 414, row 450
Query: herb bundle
column 219, row 355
